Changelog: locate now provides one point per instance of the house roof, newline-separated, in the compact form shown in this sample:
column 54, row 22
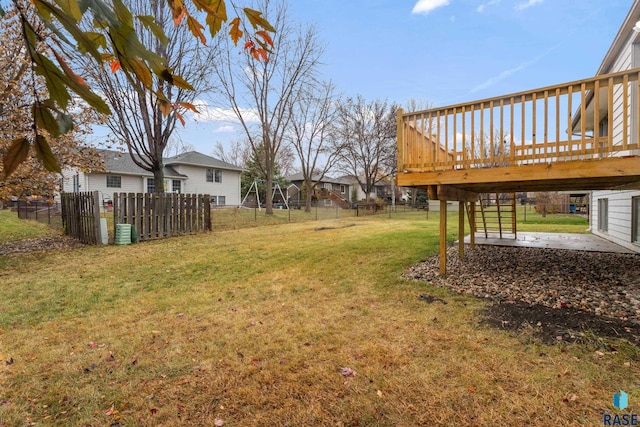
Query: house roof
column 198, row 159
column 316, row 178
column 625, row 31
column 121, row 163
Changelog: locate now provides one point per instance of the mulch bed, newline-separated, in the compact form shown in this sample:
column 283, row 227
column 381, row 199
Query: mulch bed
column 558, row 295
column 40, row 244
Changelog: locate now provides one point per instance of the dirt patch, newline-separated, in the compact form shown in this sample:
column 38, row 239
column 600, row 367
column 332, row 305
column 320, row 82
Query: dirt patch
column 558, row 325
column 40, row 244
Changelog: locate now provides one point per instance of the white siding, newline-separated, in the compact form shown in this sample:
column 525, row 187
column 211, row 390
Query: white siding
column 129, row 184
column 619, row 217
column 197, row 183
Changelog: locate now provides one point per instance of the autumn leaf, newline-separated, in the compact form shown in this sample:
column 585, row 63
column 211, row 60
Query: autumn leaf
column 68, row 71
column 177, row 18
column 347, row 372
column 265, row 36
column 150, row 23
column 165, row 107
column 256, row 19
column 188, row 106
column 249, row 44
column 44, row 154
column 196, row 29
column 17, row 154
column 235, row 32
column 181, row 83
column 180, row 117
column 115, row 66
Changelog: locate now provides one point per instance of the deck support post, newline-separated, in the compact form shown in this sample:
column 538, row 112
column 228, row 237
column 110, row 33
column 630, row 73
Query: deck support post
column 461, row 208
column 472, row 224
column 443, row 237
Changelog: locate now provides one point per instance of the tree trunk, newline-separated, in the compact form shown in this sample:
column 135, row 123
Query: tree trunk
column 308, row 196
column 158, row 180
column 269, row 195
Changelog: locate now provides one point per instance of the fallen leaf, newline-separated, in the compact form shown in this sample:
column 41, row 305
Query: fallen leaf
column 153, row 411
column 472, row 389
column 347, row 372
column 379, row 393
column 218, row 422
column 110, row 411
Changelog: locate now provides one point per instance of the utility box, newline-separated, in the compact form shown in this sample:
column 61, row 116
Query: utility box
column 123, row 234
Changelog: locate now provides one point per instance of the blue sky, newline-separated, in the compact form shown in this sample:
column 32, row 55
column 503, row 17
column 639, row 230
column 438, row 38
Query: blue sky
column 448, row 51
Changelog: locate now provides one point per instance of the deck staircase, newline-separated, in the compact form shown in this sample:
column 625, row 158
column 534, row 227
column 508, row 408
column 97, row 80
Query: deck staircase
column 334, row 196
column 496, row 215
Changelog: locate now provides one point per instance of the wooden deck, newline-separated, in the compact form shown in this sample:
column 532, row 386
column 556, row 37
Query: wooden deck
column 582, row 135
column 539, row 140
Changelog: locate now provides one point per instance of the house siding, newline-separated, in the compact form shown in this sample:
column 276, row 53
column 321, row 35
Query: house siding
column 197, row 183
column 619, row 202
column 619, row 222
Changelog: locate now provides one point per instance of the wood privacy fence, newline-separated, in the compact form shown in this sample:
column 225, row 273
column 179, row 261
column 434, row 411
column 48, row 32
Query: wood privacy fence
column 81, row 216
column 156, row 216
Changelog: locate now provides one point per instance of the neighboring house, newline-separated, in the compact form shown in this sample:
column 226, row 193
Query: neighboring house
column 189, row 173
column 331, row 191
column 615, row 215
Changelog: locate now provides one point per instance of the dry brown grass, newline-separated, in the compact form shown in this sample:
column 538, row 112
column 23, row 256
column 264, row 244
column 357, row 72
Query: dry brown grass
column 251, row 327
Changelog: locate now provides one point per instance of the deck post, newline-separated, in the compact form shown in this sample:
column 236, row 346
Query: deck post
column 472, row 225
column 443, row 237
column 461, row 207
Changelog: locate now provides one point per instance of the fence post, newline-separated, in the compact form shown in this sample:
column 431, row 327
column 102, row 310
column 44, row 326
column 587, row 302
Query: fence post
column 207, row 212
column 96, row 217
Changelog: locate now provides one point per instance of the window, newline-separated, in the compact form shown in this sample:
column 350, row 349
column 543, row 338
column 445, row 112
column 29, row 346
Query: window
column 343, row 189
column 175, row 186
column 214, row 175
column 635, row 219
column 221, row 200
column 603, row 215
column 151, row 186
column 114, row 181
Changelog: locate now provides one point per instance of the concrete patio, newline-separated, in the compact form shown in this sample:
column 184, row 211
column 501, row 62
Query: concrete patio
column 577, row 242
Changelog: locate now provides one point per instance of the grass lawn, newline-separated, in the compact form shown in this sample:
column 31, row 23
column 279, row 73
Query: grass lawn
column 12, row 228
column 252, row 327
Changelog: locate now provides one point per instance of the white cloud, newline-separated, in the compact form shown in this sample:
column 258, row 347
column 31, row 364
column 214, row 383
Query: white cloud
column 224, row 129
column 426, row 6
column 528, row 4
column 483, row 6
column 208, row 113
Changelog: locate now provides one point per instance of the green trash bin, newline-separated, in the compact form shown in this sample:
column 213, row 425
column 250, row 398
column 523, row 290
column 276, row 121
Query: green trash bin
column 123, row 234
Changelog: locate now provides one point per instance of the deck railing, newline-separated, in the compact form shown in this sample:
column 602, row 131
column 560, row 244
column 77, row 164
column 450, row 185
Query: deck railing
column 586, row 119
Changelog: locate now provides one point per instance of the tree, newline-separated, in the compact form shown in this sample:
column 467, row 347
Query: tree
column 137, row 118
column 270, row 87
column 18, row 90
column 365, row 138
column 113, row 38
column 311, row 116
column 254, row 172
column 237, row 153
